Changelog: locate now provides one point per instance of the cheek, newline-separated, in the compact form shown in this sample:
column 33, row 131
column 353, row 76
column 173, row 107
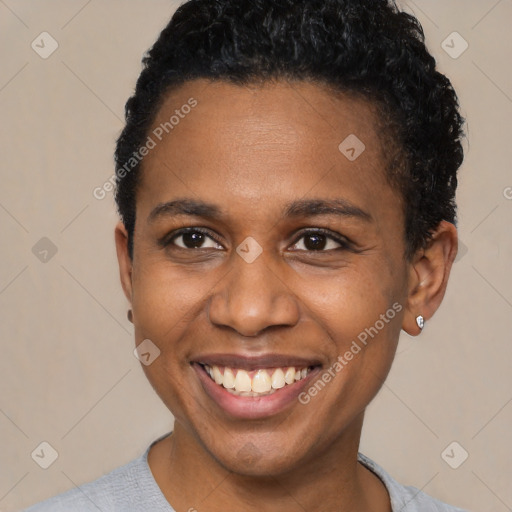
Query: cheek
column 166, row 298
column 361, row 316
column 354, row 300
column 362, row 322
column 165, row 302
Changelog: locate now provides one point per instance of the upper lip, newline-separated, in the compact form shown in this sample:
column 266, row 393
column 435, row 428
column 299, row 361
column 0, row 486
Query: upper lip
column 252, row 362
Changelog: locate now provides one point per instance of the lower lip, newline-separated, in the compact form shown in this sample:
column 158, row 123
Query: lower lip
column 248, row 407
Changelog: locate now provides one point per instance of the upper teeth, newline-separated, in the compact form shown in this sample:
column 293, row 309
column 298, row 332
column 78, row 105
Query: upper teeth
column 263, row 381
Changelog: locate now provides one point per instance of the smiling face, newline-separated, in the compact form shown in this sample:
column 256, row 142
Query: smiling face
column 260, row 246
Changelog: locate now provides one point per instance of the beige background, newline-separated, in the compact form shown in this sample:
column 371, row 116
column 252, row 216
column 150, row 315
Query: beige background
column 67, row 372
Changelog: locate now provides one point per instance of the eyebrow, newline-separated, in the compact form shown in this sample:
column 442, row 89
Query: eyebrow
column 299, row 208
column 185, row 207
column 339, row 207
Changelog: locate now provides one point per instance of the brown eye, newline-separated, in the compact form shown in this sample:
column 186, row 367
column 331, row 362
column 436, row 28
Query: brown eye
column 315, row 242
column 193, row 239
column 319, row 241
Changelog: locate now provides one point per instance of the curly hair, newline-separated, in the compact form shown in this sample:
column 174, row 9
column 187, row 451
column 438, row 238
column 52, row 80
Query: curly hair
column 367, row 48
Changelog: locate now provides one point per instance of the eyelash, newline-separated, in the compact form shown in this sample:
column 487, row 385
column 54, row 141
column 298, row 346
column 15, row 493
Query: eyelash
column 343, row 242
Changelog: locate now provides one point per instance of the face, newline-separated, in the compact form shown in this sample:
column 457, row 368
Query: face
column 264, row 254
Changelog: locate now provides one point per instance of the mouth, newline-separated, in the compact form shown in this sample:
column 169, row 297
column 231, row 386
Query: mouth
column 254, row 387
column 261, row 382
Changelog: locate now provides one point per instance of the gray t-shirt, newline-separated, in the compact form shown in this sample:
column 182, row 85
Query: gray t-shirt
column 132, row 487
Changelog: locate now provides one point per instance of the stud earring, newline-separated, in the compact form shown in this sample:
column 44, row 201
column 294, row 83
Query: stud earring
column 130, row 316
column 420, row 321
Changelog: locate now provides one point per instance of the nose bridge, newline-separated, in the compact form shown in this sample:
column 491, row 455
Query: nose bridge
column 252, row 297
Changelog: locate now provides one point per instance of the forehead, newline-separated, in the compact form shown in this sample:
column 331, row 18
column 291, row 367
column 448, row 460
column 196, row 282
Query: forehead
column 275, row 141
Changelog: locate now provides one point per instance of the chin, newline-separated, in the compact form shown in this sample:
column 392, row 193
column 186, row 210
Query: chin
column 257, row 459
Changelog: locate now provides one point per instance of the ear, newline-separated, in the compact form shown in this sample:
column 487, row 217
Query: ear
column 428, row 276
column 123, row 258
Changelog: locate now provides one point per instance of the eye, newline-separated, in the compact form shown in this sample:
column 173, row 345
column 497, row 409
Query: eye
column 320, row 240
column 193, row 238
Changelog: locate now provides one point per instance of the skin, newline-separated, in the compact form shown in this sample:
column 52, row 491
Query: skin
column 251, row 150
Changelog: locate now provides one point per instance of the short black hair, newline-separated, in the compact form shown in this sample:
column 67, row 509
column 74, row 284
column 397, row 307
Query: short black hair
column 368, row 48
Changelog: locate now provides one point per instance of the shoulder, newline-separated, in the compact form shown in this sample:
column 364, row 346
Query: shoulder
column 406, row 498
column 109, row 492
column 128, row 487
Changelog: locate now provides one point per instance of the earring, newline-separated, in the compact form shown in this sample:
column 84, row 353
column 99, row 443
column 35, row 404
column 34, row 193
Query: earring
column 420, row 321
column 130, row 316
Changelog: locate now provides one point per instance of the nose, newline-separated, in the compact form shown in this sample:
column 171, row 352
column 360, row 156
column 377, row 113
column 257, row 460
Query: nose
column 253, row 297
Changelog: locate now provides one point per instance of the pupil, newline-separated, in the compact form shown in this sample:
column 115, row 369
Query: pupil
column 193, row 240
column 318, row 242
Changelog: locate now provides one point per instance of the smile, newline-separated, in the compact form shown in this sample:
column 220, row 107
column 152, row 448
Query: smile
column 249, row 387
column 261, row 382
